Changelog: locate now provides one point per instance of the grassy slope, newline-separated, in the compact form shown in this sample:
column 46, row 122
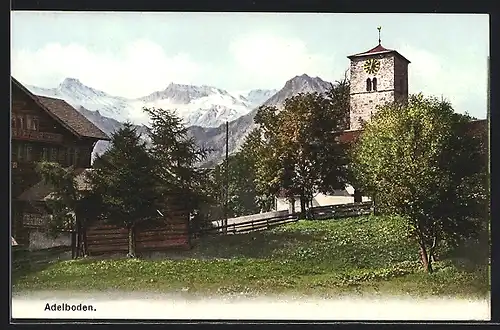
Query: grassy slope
column 359, row 255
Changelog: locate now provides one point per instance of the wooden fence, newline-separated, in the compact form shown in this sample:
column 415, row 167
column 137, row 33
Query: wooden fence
column 340, row 211
column 252, row 225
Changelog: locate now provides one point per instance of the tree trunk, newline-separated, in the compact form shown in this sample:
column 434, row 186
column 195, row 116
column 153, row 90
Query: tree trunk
column 432, row 250
column 131, row 241
column 78, row 239
column 302, row 206
column 424, row 257
column 357, row 196
column 73, row 244
column 82, row 237
column 291, row 205
column 85, row 250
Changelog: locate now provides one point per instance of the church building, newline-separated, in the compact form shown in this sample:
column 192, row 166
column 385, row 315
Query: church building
column 378, row 76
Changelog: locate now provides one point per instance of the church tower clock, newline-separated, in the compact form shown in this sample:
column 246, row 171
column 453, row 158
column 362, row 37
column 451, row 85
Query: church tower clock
column 378, row 76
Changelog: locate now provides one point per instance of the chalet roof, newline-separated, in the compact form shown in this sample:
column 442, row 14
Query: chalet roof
column 43, row 191
column 72, row 117
column 68, row 116
column 379, row 49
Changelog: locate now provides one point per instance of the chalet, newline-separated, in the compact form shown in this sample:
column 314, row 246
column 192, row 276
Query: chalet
column 43, row 128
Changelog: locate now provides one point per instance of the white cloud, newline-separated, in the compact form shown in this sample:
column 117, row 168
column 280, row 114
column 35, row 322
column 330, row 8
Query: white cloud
column 141, row 68
column 260, row 60
column 269, row 61
column 448, row 77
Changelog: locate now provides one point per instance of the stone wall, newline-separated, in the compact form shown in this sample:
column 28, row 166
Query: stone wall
column 364, row 105
column 400, row 79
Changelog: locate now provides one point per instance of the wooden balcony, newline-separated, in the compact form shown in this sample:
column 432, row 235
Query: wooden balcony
column 29, row 135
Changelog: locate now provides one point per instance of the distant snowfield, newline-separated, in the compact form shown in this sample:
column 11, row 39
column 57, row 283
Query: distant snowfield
column 116, row 305
column 196, row 105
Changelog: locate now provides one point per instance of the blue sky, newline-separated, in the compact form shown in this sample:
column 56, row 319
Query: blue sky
column 133, row 54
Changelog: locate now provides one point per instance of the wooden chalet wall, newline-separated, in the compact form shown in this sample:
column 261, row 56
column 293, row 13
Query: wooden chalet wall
column 168, row 232
column 39, row 127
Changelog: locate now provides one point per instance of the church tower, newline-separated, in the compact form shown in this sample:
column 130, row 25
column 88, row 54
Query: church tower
column 378, row 76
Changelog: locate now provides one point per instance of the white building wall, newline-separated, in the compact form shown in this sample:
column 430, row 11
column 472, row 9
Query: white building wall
column 320, row 200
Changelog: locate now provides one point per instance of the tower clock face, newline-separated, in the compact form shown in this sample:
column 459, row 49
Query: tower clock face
column 371, row 66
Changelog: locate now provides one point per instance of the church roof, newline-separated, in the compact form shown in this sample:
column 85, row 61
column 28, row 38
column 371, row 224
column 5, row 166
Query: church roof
column 379, row 49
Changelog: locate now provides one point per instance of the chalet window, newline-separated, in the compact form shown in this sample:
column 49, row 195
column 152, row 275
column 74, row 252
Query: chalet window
column 13, row 122
column 20, row 153
column 71, row 156
column 14, row 151
column 28, row 122
column 62, row 155
column 29, row 152
column 45, row 153
column 32, row 123
column 53, row 154
column 368, row 85
column 374, row 82
column 35, row 124
column 77, row 156
column 19, row 122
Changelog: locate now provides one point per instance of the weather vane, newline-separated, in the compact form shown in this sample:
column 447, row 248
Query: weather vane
column 379, row 28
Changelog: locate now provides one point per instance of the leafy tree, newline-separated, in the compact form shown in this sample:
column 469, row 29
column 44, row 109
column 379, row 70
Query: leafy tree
column 175, row 156
column 71, row 206
column 242, row 195
column 265, row 145
column 418, row 160
column 298, row 151
column 123, row 177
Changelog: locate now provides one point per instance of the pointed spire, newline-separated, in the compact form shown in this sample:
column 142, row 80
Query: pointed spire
column 379, row 28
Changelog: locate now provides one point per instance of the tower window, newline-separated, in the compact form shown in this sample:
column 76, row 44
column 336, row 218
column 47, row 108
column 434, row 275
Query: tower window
column 368, row 85
column 374, row 84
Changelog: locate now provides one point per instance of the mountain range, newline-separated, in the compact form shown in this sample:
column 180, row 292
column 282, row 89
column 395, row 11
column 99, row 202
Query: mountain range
column 204, row 109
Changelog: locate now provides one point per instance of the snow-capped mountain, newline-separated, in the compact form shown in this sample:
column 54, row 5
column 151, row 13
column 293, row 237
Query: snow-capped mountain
column 204, row 109
column 256, row 97
column 214, row 138
column 77, row 94
column 203, row 106
column 296, row 85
